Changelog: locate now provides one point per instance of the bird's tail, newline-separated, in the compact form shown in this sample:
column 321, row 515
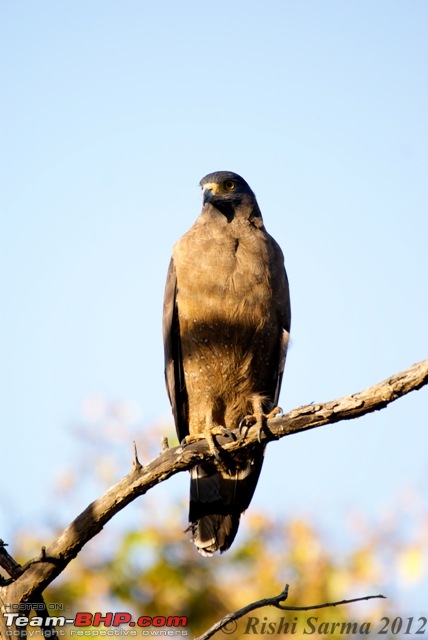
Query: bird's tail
column 217, row 499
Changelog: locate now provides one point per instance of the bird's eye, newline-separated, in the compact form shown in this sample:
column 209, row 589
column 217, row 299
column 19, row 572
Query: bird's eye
column 229, row 185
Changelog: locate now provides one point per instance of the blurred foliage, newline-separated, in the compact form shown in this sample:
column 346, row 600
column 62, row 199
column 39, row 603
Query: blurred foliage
column 149, row 567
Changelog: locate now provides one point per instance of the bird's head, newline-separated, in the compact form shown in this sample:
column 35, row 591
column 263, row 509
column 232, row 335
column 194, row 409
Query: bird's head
column 230, row 194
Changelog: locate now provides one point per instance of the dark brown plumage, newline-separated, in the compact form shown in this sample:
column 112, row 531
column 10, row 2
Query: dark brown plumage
column 226, row 327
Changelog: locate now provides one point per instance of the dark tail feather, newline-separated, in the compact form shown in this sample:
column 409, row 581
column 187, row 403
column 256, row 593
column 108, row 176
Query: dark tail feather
column 217, row 499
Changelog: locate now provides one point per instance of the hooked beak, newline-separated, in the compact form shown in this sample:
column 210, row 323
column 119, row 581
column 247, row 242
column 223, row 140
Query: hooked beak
column 209, row 191
column 207, row 195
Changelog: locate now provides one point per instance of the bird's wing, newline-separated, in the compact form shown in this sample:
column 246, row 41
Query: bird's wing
column 174, row 373
column 282, row 294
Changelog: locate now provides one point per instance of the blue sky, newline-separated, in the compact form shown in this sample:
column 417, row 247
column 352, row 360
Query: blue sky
column 111, row 113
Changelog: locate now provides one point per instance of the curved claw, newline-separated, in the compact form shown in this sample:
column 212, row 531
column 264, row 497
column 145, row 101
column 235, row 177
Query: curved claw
column 224, row 431
column 245, row 424
column 217, row 456
column 275, row 413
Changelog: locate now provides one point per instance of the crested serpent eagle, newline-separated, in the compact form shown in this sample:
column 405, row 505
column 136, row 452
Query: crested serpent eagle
column 226, row 327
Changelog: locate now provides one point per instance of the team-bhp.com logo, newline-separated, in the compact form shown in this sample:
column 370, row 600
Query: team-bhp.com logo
column 86, row 623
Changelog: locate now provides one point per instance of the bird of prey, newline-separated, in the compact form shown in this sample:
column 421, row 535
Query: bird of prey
column 226, row 326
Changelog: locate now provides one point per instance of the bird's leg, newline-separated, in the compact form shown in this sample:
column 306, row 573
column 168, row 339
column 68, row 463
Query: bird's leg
column 210, row 430
column 258, row 417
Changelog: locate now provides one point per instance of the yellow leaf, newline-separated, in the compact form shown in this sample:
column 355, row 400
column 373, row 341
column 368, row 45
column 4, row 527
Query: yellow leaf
column 411, row 565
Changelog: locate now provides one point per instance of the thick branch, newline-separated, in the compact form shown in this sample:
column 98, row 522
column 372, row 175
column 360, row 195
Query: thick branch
column 356, row 405
column 37, row 574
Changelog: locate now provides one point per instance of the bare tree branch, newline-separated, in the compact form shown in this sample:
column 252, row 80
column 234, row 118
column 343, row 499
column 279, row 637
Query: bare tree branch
column 39, row 572
column 275, row 601
column 8, row 563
